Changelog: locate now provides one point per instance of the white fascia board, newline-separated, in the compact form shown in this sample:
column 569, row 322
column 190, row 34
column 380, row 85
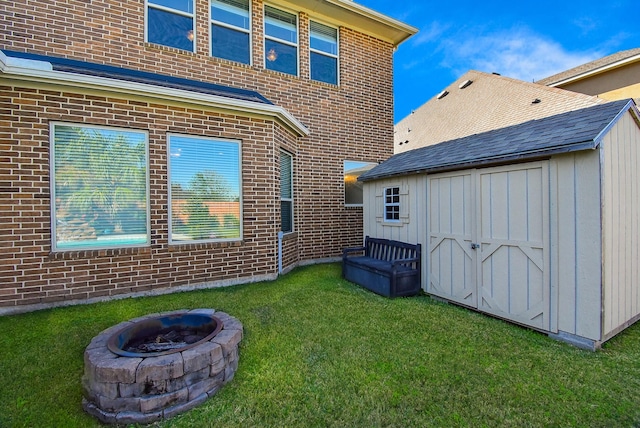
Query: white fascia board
column 42, row 72
column 595, row 71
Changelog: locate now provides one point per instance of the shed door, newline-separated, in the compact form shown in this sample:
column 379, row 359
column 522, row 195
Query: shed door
column 497, row 264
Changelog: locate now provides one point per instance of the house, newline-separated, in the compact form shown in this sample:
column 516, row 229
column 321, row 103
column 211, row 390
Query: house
column 614, row 77
column 480, row 102
column 155, row 146
column 536, row 223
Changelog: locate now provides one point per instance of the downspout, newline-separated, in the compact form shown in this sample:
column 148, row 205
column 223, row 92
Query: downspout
column 280, row 235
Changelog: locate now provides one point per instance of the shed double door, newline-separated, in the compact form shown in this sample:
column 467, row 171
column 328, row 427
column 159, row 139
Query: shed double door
column 488, row 232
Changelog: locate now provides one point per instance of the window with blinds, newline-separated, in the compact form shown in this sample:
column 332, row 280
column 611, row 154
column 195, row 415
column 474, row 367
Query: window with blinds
column 231, row 30
column 286, row 191
column 171, row 23
column 205, row 192
column 99, row 182
column 323, row 56
column 280, row 41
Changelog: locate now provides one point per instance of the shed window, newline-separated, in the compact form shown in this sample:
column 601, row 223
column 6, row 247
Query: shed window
column 286, row 191
column 230, row 30
column 323, row 55
column 205, row 193
column 280, row 41
column 171, row 23
column 392, row 204
column 99, row 187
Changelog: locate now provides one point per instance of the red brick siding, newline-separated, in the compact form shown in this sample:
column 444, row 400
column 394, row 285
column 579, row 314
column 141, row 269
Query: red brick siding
column 352, row 121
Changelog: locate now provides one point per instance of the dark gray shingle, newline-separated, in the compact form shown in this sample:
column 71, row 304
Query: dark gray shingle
column 566, row 132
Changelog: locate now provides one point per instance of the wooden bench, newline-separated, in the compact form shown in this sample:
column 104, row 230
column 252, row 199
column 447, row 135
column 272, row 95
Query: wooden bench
column 389, row 268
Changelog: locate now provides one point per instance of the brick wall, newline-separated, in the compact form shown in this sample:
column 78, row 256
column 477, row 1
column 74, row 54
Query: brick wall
column 352, row 121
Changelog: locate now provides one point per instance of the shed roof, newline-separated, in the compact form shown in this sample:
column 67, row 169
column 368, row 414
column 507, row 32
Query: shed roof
column 480, row 102
column 566, row 132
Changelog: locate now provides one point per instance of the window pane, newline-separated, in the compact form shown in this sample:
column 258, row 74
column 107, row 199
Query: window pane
column 230, row 44
column 170, row 29
column 352, row 187
column 232, row 12
column 324, row 68
column 181, row 5
column 281, row 25
column 324, row 38
column 281, row 57
column 205, row 189
column 100, row 188
column 287, row 216
column 286, row 192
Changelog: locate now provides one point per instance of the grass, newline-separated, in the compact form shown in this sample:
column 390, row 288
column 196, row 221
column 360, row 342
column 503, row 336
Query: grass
column 321, row 352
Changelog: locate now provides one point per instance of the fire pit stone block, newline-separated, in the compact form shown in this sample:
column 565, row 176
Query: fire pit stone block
column 132, row 390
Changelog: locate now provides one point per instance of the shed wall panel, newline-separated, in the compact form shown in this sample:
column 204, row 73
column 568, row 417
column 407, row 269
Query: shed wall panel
column 621, row 237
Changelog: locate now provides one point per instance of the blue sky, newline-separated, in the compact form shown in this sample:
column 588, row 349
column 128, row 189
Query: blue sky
column 523, row 40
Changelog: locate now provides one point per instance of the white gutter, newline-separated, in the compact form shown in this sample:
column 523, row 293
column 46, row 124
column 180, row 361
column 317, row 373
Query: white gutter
column 43, row 72
column 595, row 71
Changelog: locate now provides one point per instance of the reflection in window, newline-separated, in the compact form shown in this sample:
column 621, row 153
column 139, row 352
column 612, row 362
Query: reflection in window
column 352, row 187
column 230, row 30
column 286, row 192
column 100, row 198
column 280, row 41
column 324, row 53
column 170, row 23
column 205, row 194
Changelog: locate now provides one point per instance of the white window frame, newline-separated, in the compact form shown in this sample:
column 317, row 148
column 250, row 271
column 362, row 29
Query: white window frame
column 336, row 56
column 286, row 42
column 52, row 184
column 232, row 27
column 149, row 4
column 283, row 199
column 170, row 197
column 393, row 192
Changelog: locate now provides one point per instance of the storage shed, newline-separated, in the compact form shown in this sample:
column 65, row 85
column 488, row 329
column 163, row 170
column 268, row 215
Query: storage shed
column 537, row 223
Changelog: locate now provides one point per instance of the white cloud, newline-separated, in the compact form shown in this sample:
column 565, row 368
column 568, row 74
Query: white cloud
column 518, row 53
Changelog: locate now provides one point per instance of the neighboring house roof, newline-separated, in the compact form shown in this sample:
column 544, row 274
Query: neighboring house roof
column 594, row 67
column 29, row 67
column 489, row 102
column 536, row 139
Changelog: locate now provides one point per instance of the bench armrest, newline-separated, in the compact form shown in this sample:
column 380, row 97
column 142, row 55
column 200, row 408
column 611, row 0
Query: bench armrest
column 346, row 251
column 405, row 261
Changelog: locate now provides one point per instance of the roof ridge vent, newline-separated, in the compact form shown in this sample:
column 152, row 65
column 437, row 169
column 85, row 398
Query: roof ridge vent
column 442, row 94
column 465, row 84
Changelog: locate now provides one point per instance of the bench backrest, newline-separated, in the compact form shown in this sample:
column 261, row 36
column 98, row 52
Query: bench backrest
column 389, row 250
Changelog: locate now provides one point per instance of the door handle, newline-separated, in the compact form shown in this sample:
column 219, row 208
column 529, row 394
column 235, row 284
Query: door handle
column 475, row 246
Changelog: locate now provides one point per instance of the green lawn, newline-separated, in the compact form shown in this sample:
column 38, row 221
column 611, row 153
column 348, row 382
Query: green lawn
column 321, row 352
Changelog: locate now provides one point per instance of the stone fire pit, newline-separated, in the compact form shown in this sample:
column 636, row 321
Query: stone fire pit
column 160, row 365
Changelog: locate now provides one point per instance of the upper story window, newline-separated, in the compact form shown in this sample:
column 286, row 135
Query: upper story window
column 323, row 57
column 280, row 41
column 231, row 30
column 392, row 204
column 205, row 193
column 100, row 196
column 171, row 23
column 353, row 189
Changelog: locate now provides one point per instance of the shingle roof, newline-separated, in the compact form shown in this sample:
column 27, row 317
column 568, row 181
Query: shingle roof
column 101, row 70
column 566, row 132
column 489, row 102
column 590, row 66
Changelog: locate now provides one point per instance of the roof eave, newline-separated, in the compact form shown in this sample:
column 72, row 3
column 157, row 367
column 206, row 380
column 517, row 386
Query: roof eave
column 595, row 71
column 27, row 70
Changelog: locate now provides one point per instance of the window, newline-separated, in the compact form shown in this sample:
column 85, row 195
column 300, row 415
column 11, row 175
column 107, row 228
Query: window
column 286, row 191
column 280, row 41
column 230, row 30
column 170, row 23
column 392, row 204
column 352, row 187
column 323, row 57
column 99, row 179
column 205, row 194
